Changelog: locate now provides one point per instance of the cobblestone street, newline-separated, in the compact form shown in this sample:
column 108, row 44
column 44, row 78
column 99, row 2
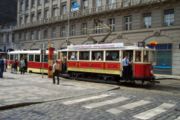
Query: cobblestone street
column 78, row 100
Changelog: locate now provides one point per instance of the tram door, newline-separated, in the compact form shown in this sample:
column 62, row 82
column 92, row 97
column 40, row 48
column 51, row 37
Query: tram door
column 63, row 57
column 129, row 54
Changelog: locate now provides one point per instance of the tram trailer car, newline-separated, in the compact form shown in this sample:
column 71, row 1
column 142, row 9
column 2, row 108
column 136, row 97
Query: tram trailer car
column 35, row 60
column 105, row 61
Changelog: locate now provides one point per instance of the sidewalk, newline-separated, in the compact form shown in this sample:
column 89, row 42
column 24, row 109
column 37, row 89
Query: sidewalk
column 16, row 89
column 161, row 76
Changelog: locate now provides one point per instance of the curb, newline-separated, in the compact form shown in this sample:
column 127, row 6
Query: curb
column 24, row 104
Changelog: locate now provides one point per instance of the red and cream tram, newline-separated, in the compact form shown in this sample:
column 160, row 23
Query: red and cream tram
column 36, row 63
column 106, row 60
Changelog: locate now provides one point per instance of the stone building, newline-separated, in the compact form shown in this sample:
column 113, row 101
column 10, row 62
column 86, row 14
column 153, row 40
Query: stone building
column 91, row 21
column 7, row 37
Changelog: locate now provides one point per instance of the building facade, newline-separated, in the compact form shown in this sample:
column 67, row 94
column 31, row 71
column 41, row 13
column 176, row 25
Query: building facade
column 90, row 21
column 7, row 37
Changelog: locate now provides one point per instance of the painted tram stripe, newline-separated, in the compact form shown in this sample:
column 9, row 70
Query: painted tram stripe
column 128, row 106
column 85, row 99
column 108, row 102
column 155, row 111
column 178, row 118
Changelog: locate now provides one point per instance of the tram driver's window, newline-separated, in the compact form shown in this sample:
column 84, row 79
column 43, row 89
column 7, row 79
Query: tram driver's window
column 84, row 55
column 146, row 56
column 112, row 55
column 37, row 58
column 11, row 57
column 138, row 56
column 72, row 56
column 97, row 55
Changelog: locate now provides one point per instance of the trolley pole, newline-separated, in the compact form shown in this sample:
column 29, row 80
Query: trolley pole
column 43, row 52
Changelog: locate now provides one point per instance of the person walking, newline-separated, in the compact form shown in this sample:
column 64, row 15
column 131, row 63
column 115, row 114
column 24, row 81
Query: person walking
column 1, row 67
column 56, row 71
column 125, row 63
column 21, row 66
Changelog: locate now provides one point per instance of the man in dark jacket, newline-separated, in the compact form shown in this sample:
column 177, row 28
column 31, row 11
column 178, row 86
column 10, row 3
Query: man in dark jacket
column 1, row 67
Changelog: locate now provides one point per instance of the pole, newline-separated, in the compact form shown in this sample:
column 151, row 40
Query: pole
column 68, row 27
column 43, row 52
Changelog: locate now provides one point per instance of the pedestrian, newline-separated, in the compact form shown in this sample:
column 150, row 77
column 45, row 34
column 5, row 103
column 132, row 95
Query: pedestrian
column 26, row 65
column 15, row 65
column 57, row 66
column 5, row 64
column 21, row 66
column 125, row 63
column 1, row 67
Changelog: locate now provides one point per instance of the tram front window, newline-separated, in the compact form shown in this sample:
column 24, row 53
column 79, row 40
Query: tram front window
column 97, row 55
column 84, row 55
column 112, row 55
column 37, row 58
column 138, row 56
column 146, row 56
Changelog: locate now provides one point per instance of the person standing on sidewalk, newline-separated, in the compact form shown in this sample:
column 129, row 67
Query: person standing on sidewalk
column 21, row 66
column 56, row 71
column 1, row 67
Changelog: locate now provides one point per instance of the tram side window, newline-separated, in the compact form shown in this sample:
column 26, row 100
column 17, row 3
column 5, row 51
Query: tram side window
column 46, row 58
column 31, row 57
column 11, row 57
column 112, row 55
column 84, row 55
column 146, row 56
column 97, row 55
column 72, row 56
column 138, row 56
column 37, row 58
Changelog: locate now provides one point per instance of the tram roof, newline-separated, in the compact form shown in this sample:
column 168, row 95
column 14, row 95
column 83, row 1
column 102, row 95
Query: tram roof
column 108, row 46
column 26, row 52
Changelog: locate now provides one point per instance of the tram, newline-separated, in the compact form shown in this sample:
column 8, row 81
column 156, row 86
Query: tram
column 105, row 60
column 37, row 62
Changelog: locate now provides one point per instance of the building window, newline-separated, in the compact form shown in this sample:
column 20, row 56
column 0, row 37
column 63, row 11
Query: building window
column 39, row 2
column 26, row 19
column 53, row 32
column 85, row 4
column 63, row 31
column 21, row 20
column 128, row 22
column 32, row 3
column 39, row 15
column 45, row 34
column 111, row 4
column 46, row 1
column 21, row 5
column 169, row 17
column 27, row 36
column 98, row 3
column 32, row 35
column 112, row 24
column 26, row 4
column 147, row 19
column 54, row 12
column 97, row 27
column 84, row 28
column 32, row 17
column 64, row 9
column 72, row 30
column 46, row 12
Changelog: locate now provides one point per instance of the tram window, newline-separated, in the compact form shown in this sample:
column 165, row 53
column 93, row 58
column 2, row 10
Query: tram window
column 84, row 55
column 11, row 57
column 72, row 56
column 23, row 56
column 112, row 55
column 138, row 56
column 97, row 55
column 46, row 58
column 16, row 56
column 146, row 56
column 37, row 58
column 31, row 57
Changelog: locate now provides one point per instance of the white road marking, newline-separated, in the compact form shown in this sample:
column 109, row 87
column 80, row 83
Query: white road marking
column 108, row 102
column 85, row 99
column 128, row 106
column 178, row 118
column 155, row 111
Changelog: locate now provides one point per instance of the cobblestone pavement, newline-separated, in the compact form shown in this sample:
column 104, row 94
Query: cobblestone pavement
column 115, row 105
column 16, row 88
column 161, row 102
